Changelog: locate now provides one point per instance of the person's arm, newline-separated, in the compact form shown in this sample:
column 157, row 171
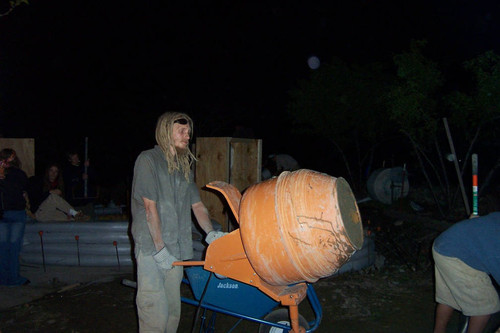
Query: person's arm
column 153, row 221
column 56, row 191
column 163, row 258
column 201, row 214
column 88, row 172
column 2, row 172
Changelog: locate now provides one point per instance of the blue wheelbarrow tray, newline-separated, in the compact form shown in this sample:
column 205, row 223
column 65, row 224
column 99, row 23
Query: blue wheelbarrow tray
column 231, row 297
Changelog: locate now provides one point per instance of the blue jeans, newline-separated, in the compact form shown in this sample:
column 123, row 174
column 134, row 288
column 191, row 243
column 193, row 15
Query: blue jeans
column 11, row 241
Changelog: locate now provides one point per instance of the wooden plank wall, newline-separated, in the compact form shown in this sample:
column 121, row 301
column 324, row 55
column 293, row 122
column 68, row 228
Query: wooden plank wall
column 232, row 160
column 213, row 164
column 25, row 149
column 246, row 161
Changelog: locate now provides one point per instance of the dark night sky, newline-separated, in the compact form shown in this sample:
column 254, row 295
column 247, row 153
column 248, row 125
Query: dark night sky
column 106, row 70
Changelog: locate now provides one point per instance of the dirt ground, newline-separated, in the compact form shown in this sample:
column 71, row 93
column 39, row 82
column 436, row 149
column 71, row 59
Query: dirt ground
column 392, row 299
column 394, row 295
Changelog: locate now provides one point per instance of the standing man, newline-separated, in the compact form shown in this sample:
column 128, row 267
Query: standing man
column 13, row 184
column 465, row 255
column 163, row 194
column 74, row 176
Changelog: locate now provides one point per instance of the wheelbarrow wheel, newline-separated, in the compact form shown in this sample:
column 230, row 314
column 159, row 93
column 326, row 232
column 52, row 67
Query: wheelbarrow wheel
column 280, row 316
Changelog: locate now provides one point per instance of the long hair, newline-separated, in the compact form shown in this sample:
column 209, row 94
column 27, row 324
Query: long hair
column 179, row 160
column 59, row 180
column 7, row 154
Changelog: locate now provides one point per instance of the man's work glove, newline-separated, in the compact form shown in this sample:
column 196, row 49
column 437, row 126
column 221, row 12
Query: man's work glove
column 164, row 259
column 213, row 235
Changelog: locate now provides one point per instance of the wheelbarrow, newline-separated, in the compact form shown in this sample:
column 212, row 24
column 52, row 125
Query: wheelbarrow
column 226, row 296
column 294, row 230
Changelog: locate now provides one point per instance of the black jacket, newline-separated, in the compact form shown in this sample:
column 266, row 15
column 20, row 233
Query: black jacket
column 12, row 189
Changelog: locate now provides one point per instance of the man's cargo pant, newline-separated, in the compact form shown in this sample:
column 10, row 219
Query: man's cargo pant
column 158, row 295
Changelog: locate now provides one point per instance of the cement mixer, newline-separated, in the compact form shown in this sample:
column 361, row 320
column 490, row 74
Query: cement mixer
column 294, row 229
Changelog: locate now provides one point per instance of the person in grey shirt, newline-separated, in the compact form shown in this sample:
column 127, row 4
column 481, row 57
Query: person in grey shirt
column 163, row 195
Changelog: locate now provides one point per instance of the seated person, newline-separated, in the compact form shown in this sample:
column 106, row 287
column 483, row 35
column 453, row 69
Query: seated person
column 46, row 198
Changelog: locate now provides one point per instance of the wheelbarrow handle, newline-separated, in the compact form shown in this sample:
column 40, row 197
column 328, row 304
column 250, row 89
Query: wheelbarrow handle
column 188, row 263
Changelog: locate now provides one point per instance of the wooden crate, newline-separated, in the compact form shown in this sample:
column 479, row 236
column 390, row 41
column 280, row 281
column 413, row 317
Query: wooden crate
column 25, row 149
column 232, row 160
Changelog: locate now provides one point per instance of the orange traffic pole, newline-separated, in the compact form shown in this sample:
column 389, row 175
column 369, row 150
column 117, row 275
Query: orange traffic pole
column 474, row 185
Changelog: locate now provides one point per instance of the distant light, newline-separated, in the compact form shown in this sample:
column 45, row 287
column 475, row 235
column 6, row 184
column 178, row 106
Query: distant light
column 313, row 62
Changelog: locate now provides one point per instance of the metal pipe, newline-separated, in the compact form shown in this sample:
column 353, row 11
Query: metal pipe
column 85, row 181
column 77, row 238
column 43, row 252
column 115, row 244
column 188, row 263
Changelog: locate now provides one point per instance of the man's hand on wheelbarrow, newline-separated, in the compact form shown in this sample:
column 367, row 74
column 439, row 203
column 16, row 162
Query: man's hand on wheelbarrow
column 213, row 235
column 164, row 259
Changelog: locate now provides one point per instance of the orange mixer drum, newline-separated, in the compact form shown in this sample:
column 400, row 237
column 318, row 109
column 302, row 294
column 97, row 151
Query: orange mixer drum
column 301, row 226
